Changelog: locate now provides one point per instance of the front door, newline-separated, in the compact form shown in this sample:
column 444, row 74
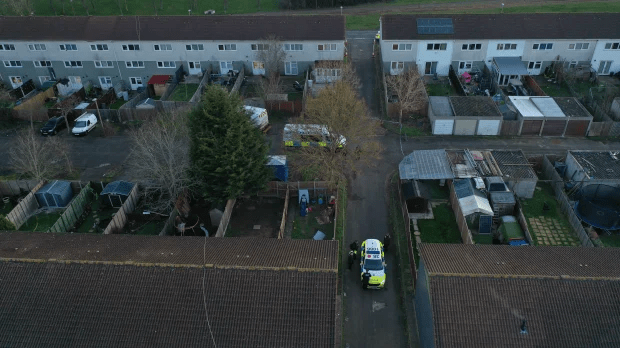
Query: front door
column 194, row 68
column 44, row 79
column 16, row 81
column 225, row 67
column 136, row 82
column 258, row 68
column 430, row 68
column 105, row 82
column 603, row 67
column 290, row 68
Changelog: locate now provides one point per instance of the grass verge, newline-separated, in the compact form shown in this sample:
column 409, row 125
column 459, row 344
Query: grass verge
column 363, row 22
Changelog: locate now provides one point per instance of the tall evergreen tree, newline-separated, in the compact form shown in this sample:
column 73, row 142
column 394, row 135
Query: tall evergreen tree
column 228, row 153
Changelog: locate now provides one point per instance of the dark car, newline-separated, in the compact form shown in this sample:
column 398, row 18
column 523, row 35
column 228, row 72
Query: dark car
column 54, row 125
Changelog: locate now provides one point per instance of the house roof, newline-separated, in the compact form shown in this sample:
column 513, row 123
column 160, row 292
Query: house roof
column 441, row 106
column 129, row 291
column 489, row 312
column 159, row 79
column 599, row 164
column 255, row 253
column 425, row 165
column 172, row 28
column 474, row 106
column 499, row 261
column 510, row 66
column 508, row 26
column 571, row 107
column 513, row 164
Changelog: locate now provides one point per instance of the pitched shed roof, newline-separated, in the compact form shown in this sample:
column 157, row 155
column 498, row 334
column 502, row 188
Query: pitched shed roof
column 571, row 107
column 172, row 28
column 599, row 164
column 264, row 253
column 118, row 188
column 508, row 26
column 425, row 165
column 57, row 304
column 513, row 164
column 475, row 106
column 519, row 262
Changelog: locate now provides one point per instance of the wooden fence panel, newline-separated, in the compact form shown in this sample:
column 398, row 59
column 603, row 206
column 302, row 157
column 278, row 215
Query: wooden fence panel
column 24, row 209
column 413, row 268
column 221, row 230
column 17, row 187
column 169, row 226
column 285, row 213
column 73, row 211
column 510, row 127
column 120, row 218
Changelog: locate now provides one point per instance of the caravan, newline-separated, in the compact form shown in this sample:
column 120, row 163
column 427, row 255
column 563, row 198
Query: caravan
column 258, row 116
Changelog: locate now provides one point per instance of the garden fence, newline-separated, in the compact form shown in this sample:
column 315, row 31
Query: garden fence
column 17, row 187
column 284, row 215
column 558, row 188
column 279, row 188
column 120, row 218
column 412, row 265
column 460, row 218
column 24, row 209
column 73, row 211
column 221, row 230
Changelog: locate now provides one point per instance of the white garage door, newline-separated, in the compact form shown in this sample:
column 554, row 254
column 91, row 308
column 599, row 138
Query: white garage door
column 443, row 127
column 488, row 127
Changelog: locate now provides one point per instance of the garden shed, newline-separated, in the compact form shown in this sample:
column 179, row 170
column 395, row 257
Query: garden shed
column 516, row 171
column 116, row 193
column 158, row 83
column 55, row 194
column 473, row 203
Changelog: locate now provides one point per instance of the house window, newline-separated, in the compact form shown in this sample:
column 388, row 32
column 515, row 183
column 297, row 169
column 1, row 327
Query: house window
column 104, row 64
column 36, row 47
column 12, row 63
column 166, row 64
column 42, row 63
column 132, row 47
column 323, row 72
column 134, row 64
column 327, row 47
column 162, row 47
column 534, row 65
column 543, row 46
column 44, row 79
column 99, row 47
column 471, row 47
column 290, row 68
column 579, row 46
column 260, row 47
column 572, row 64
column 16, row 81
column 195, row 47
column 68, row 47
column 227, row 47
column 7, row 47
column 293, row 47
column 402, row 47
column 506, row 46
column 465, row 65
column 436, row 47
column 397, row 67
column 612, row 45
column 73, row 64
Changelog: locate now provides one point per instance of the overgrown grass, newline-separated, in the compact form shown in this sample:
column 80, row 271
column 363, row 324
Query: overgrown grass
column 117, row 104
column 406, row 130
column 440, row 89
column 40, row 222
column 439, row 192
column 304, row 227
column 5, row 208
column 610, row 241
column 442, row 229
column 101, row 212
column 183, row 92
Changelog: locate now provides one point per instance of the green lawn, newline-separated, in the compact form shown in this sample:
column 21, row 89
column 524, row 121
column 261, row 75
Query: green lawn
column 183, row 92
column 440, row 89
column 442, row 229
column 483, row 239
column 556, row 90
column 363, row 22
column 610, row 241
column 117, row 104
column 40, row 222
column 534, row 207
column 99, row 211
column 304, row 227
column 5, row 208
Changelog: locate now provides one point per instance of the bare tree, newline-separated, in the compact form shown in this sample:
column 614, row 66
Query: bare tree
column 270, row 86
column 408, row 86
column 270, row 52
column 160, row 159
column 39, row 157
column 350, row 141
column 334, row 70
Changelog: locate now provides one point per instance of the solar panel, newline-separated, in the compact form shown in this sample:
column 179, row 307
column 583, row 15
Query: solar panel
column 486, row 221
column 435, row 26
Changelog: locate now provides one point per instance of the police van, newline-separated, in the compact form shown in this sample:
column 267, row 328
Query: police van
column 372, row 260
column 304, row 135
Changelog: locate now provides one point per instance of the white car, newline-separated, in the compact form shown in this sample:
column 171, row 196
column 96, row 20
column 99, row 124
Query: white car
column 84, row 124
column 372, row 260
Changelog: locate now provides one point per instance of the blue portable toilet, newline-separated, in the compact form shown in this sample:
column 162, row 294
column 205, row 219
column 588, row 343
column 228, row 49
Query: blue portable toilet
column 55, row 194
column 280, row 167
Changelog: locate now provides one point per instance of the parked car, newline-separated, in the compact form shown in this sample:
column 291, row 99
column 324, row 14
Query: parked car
column 54, row 125
column 84, row 124
column 372, row 263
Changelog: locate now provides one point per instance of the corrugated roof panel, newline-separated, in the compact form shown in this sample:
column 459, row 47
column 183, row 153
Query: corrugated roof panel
column 548, row 107
column 425, row 165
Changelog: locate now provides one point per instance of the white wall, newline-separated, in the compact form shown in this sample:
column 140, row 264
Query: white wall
column 443, row 58
column 600, row 53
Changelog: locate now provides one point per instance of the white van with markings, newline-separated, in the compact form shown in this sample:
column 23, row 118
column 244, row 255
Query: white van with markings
column 258, row 116
column 84, row 124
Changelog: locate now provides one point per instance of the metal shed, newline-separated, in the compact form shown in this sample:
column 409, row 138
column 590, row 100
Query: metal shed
column 425, row 165
column 473, row 203
column 516, row 171
column 503, row 203
column 55, row 194
column 116, row 193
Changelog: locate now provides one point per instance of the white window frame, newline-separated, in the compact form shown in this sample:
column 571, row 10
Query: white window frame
column 167, row 64
column 68, row 47
column 612, row 46
column 545, row 46
column 293, row 47
column 136, row 84
column 99, row 47
column 162, row 47
column 466, row 64
column 106, row 78
column 225, row 66
column 134, row 64
column 259, row 47
column 130, row 47
column 73, row 64
column 506, row 46
column 471, row 47
column 288, row 68
column 43, row 79
column 195, row 47
column 42, row 63
column 327, row 47
column 572, row 64
column 397, row 67
column 579, row 46
column 402, row 47
column 7, row 47
column 13, row 80
column 534, row 65
column 227, row 47
column 12, row 63
column 440, row 46
column 37, row 47
column 103, row 64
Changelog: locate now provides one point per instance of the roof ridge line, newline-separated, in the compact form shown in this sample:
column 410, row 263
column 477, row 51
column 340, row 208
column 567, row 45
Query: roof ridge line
column 519, row 276
column 156, row 264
